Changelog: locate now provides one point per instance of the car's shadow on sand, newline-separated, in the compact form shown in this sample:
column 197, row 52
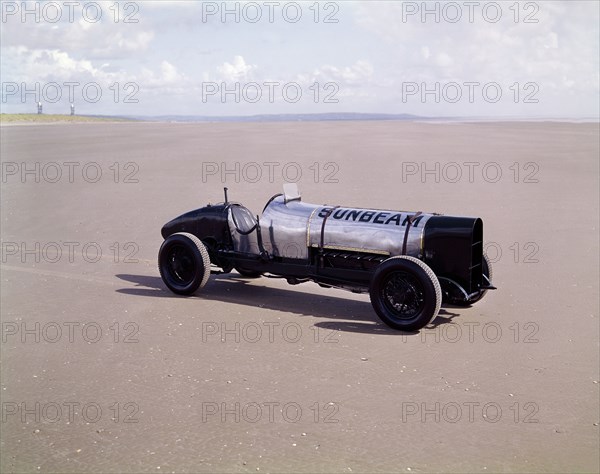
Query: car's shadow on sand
column 343, row 314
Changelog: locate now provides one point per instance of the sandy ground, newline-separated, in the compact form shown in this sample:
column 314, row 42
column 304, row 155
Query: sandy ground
column 104, row 370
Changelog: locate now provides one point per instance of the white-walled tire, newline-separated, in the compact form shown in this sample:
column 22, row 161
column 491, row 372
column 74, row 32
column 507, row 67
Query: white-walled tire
column 183, row 263
column 405, row 293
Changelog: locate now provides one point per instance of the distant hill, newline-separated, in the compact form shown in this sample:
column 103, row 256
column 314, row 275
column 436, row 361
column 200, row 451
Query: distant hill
column 282, row 117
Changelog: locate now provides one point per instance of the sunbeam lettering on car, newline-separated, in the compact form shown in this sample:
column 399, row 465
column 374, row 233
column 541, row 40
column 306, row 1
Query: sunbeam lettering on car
column 376, row 217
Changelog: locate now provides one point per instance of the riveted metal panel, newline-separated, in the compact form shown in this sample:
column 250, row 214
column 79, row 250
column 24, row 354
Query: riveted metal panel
column 289, row 228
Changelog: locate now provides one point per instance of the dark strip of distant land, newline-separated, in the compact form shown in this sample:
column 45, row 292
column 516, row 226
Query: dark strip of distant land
column 283, row 117
column 347, row 117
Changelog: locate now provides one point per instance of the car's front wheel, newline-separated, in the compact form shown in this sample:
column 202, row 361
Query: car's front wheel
column 183, row 263
column 405, row 293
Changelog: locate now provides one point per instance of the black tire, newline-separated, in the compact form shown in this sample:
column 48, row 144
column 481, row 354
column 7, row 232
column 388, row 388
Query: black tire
column 405, row 293
column 248, row 273
column 183, row 263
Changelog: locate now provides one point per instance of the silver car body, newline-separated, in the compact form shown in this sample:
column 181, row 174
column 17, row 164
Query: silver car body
column 290, row 227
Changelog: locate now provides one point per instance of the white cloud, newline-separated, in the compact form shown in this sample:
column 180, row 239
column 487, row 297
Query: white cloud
column 559, row 52
column 167, row 80
column 444, row 60
column 35, row 65
column 358, row 74
column 237, row 71
column 369, row 54
column 103, row 39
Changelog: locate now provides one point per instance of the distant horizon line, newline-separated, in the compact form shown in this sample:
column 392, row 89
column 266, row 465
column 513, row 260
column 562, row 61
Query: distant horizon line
column 322, row 116
column 352, row 116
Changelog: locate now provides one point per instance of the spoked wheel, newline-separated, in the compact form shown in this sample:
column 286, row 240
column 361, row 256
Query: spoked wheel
column 183, row 263
column 405, row 293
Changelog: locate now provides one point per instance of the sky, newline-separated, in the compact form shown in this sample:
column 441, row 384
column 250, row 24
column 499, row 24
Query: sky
column 437, row 59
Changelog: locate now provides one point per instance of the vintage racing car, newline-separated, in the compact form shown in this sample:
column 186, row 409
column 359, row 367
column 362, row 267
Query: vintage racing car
column 408, row 261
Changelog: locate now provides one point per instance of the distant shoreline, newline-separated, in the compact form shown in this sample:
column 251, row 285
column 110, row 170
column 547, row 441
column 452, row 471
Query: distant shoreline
column 54, row 119
column 51, row 119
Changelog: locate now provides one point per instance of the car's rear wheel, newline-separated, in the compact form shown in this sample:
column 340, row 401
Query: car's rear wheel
column 183, row 263
column 405, row 293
